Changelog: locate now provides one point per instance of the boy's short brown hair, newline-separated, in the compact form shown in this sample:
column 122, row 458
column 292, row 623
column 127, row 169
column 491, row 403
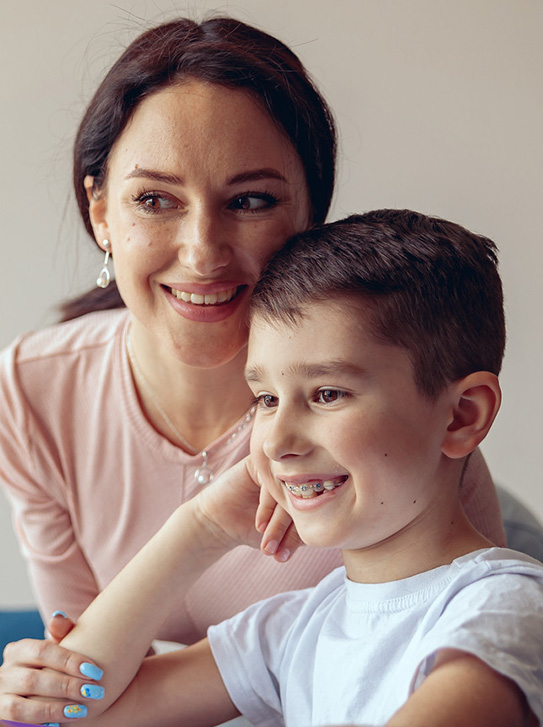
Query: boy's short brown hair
column 431, row 286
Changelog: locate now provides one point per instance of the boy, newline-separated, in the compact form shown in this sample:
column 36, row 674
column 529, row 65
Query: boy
column 374, row 352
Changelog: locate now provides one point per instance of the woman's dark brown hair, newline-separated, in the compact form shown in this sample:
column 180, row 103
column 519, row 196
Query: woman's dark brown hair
column 223, row 51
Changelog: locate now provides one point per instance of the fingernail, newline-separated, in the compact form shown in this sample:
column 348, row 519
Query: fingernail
column 271, row 547
column 64, row 615
column 51, row 724
column 75, row 711
column 91, row 671
column 283, row 555
column 92, row 691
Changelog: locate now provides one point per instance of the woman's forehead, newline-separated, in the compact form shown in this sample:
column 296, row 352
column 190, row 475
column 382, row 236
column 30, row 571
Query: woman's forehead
column 207, row 120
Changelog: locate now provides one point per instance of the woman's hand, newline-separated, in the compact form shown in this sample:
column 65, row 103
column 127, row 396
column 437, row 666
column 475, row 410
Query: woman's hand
column 39, row 678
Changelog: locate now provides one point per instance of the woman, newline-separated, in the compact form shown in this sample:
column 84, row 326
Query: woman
column 204, row 148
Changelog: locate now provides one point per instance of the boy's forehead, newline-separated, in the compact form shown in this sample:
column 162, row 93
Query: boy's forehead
column 318, row 328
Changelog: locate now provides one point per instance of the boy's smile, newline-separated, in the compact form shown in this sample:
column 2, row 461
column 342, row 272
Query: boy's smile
column 353, row 447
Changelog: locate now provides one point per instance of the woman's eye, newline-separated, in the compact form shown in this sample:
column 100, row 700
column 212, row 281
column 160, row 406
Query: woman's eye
column 329, row 396
column 267, row 401
column 252, row 202
column 153, row 202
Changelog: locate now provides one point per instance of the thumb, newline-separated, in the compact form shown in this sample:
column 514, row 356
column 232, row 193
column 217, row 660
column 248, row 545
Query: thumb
column 59, row 626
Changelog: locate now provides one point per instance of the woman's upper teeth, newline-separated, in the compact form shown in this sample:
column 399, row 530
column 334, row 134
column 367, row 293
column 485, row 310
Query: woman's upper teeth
column 208, row 299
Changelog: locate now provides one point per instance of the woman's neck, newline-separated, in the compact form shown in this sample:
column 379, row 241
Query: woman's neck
column 190, row 406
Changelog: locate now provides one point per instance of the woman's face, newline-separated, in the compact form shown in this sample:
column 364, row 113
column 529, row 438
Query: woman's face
column 201, row 189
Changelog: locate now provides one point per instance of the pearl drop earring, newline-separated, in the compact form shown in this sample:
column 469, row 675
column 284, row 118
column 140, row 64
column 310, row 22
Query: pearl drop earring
column 104, row 276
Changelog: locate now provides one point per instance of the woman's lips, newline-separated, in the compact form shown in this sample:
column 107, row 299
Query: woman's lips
column 222, row 296
column 211, row 306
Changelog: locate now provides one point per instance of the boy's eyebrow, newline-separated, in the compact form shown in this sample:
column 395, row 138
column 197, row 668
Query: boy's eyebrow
column 311, row 371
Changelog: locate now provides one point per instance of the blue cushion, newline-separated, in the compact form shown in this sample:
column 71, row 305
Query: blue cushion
column 22, row 624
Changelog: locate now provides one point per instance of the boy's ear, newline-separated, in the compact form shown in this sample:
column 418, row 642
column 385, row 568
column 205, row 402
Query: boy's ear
column 476, row 401
column 97, row 210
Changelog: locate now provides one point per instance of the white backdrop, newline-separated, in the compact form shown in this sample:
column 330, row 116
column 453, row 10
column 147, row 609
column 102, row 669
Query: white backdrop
column 440, row 108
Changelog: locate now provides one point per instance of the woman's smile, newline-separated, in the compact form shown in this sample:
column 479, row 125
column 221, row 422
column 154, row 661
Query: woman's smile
column 192, row 224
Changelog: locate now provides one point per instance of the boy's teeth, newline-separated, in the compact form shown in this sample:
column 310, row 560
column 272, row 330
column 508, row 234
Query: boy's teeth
column 312, row 489
column 210, row 299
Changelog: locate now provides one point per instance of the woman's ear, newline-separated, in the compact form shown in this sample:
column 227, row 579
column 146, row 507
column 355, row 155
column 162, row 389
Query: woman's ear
column 476, row 401
column 97, row 210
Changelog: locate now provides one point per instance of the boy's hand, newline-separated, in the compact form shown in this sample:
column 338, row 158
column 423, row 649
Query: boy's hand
column 239, row 510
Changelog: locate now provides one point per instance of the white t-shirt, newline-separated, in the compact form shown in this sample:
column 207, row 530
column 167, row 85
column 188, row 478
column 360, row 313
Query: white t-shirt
column 346, row 652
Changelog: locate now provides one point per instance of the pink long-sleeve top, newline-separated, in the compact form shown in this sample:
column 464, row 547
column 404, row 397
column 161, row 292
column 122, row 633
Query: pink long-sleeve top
column 90, row 480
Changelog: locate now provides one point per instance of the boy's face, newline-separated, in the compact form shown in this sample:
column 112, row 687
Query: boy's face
column 353, row 448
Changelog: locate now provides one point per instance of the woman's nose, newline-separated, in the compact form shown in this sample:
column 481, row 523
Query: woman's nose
column 203, row 246
column 287, row 436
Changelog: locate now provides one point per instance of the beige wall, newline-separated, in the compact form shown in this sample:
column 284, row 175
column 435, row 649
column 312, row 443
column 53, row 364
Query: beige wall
column 440, row 108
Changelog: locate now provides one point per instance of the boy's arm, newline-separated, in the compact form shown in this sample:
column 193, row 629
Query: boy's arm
column 462, row 690
column 179, row 689
column 117, row 628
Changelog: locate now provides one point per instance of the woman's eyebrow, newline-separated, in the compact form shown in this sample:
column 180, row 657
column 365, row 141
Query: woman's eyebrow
column 155, row 175
column 253, row 175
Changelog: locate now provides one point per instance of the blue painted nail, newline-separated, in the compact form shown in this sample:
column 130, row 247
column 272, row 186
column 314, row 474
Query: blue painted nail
column 51, row 724
column 64, row 615
column 74, row 711
column 91, row 671
column 92, row 691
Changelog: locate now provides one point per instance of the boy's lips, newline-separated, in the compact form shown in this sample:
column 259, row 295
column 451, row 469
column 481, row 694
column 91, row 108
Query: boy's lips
column 310, row 488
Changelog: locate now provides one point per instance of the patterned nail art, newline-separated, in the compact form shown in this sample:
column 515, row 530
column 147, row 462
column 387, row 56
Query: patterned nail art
column 75, row 711
column 92, row 691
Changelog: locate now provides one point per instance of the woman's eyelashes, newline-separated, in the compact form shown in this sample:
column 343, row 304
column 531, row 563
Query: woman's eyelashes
column 153, row 202
column 252, row 202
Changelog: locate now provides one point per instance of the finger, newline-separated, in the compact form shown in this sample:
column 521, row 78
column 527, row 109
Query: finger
column 265, row 510
column 280, row 537
column 47, row 654
column 59, row 626
column 16, row 710
column 27, row 682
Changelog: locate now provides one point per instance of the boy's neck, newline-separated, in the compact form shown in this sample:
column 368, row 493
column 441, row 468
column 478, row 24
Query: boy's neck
column 431, row 541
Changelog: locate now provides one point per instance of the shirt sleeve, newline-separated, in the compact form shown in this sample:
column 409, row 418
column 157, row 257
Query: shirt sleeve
column 498, row 619
column 249, row 649
column 31, row 475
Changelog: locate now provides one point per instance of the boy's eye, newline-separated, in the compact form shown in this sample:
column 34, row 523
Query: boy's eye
column 267, row 401
column 253, row 202
column 329, row 396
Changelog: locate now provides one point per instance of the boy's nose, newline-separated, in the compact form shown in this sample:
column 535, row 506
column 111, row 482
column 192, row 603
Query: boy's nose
column 286, row 438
